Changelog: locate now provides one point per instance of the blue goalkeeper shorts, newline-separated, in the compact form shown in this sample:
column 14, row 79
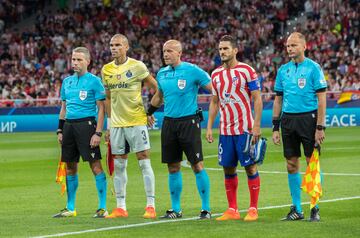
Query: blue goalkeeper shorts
column 233, row 149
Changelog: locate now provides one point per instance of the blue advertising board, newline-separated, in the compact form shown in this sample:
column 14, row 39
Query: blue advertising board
column 38, row 120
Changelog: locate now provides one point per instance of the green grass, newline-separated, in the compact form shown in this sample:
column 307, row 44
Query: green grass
column 29, row 195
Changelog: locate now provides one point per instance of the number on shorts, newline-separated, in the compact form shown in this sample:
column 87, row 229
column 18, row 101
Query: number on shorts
column 220, row 149
column 144, row 134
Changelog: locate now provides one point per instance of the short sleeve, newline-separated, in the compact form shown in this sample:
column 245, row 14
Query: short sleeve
column 99, row 89
column 62, row 91
column 278, row 87
column 318, row 78
column 213, row 84
column 103, row 79
column 158, row 81
column 202, row 77
column 143, row 71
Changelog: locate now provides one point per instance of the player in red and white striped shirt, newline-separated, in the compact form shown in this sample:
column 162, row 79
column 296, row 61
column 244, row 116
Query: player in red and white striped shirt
column 234, row 84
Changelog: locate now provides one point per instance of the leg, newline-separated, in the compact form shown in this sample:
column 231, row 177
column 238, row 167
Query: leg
column 120, row 180
column 175, row 185
column 101, row 184
column 149, row 182
column 294, row 180
column 72, row 183
column 253, row 184
column 231, row 186
column 254, row 189
column 119, row 148
column 203, row 185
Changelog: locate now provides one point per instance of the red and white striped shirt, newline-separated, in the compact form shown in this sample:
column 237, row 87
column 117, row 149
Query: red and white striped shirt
column 231, row 86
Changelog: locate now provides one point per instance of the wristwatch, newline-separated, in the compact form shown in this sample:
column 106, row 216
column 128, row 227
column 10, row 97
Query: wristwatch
column 99, row 134
column 320, row 127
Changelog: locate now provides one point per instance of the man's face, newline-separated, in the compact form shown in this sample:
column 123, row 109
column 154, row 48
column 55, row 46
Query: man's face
column 79, row 62
column 295, row 46
column 226, row 51
column 118, row 47
column 171, row 54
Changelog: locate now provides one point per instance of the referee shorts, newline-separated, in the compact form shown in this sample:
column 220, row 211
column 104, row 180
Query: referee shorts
column 296, row 129
column 77, row 134
column 180, row 135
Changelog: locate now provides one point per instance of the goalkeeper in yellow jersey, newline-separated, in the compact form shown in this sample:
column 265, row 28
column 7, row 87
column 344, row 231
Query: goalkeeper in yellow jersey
column 127, row 121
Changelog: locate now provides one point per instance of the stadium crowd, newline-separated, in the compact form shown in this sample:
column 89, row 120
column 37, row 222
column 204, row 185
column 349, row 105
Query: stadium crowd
column 34, row 60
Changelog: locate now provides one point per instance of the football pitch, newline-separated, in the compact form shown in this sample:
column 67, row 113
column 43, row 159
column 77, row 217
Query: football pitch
column 29, row 195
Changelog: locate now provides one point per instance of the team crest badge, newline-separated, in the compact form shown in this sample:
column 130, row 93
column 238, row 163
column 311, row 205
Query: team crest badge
column 82, row 95
column 301, row 82
column 129, row 74
column 118, row 76
column 181, row 83
column 234, row 80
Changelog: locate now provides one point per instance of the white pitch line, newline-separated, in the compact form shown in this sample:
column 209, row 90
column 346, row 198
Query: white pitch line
column 282, row 172
column 178, row 220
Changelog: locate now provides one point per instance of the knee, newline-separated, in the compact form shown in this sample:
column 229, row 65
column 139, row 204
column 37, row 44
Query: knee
column 292, row 167
column 251, row 170
column 120, row 164
column 144, row 164
column 142, row 155
column 174, row 168
column 197, row 167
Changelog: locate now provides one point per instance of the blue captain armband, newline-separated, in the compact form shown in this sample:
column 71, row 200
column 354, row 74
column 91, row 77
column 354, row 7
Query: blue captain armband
column 254, row 85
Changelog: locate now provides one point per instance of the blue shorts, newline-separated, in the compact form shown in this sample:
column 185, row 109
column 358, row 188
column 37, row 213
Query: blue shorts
column 233, row 149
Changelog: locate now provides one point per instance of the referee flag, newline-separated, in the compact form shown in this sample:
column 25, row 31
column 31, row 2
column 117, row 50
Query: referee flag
column 311, row 183
column 61, row 176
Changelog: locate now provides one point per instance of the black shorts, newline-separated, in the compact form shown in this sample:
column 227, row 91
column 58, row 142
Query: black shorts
column 298, row 129
column 76, row 140
column 180, row 135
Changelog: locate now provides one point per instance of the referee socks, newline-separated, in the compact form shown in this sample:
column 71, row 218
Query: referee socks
column 101, row 189
column 203, row 186
column 295, row 190
column 72, row 183
column 175, row 187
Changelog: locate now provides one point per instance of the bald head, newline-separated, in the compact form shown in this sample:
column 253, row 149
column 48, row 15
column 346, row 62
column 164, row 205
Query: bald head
column 297, row 36
column 172, row 52
column 173, row 44
column 296, row 46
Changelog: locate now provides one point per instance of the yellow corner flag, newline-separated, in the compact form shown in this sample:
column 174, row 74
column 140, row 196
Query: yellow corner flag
column 311, row 183
column 61, row 176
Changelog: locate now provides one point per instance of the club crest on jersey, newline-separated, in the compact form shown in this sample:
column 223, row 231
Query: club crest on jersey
column 118, row 76
column 82, row 95
column 301, row 82
column 181, row 83
column 235, row 80
column 129, row 74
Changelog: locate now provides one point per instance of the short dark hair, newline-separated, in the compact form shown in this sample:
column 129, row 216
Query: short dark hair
column 230, row 39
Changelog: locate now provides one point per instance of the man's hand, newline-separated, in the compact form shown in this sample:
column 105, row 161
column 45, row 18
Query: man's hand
column 60, row 137
column 209, row 136
column 150, row 121
column 276, row 137
column 319, row 136
column 256, row 134
column 107, row 136
column 95, row 141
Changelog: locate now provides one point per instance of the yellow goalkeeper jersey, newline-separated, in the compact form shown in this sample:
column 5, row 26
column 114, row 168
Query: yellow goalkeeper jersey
column 124, row 83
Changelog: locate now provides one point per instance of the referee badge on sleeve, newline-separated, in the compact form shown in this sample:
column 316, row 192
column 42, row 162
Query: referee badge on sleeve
column 82, row 95
column 181, row 83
